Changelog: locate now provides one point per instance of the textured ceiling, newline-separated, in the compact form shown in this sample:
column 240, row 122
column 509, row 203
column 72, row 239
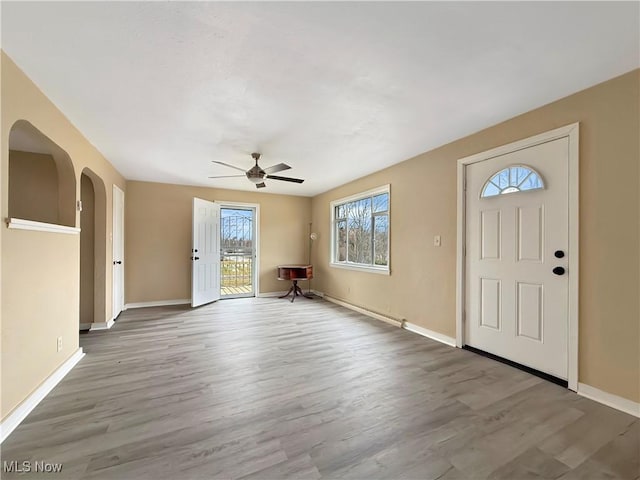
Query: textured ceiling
column 336, row 90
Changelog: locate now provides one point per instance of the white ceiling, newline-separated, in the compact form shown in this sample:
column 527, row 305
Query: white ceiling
column 336, row 90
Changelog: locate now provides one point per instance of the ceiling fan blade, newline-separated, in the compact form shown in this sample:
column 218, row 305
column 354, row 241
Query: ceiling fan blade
column 285, row 179
column 277, row 168
column 227, row 165
column 260, row 185
column 228, row 176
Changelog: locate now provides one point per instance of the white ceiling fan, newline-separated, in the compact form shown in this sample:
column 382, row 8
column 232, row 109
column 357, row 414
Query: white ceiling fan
column 257, row 175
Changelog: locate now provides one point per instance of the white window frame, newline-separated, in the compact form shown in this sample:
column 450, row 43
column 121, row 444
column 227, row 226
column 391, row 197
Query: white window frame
column 380, row 269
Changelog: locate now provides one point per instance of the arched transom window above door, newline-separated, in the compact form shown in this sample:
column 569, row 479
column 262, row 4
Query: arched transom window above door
column 513, row 179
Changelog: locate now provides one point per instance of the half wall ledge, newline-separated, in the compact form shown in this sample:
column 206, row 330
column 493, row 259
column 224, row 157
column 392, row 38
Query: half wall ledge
column 21, row 224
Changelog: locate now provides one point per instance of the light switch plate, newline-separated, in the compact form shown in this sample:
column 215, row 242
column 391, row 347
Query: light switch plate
column 436, row 241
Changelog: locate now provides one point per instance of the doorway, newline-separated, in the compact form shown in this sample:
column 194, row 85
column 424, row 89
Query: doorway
column 87, row 253
column 118, row 251
column 518, row 253
column 238, row 250
column 92, row 251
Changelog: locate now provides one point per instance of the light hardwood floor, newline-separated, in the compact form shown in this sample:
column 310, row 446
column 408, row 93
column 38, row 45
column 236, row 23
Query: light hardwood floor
column 266, row 389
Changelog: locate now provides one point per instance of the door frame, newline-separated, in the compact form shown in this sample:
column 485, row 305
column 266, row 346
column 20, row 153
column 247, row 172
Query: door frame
column 117, row 191
column 572, row 133
column 256, row 234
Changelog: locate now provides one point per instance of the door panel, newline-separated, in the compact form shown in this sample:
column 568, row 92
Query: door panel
column 205, row 253
column 516, row 307
column 530, row 237
column 529, row 310
column 490, row 303
column 490, row 234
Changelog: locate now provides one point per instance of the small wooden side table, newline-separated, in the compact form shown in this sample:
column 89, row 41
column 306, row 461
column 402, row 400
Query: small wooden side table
column 295, row 273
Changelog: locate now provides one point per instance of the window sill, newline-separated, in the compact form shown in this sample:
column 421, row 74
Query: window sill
column 20, row 224
column 362, row 268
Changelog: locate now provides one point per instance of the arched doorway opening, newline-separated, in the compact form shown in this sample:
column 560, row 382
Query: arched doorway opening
column 92, row 250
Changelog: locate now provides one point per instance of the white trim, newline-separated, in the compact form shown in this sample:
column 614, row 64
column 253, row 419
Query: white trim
column 362, row 268
column 460, row 253
column 609, row 399
column 271, row 294
column 16, row 417
column 364, row 311
column 21, row 224
column 425, row 332
column 116, row 309
column 574, row 258
column 317, row 293
column 256, row 239
column 102, row 325
column 382, row 270
column 157, row 303
column 572, row 133
column 85, row 326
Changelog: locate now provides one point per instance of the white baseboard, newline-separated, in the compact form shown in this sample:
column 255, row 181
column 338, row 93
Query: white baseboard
column 85, row 326
column 369, row 313
column 16, row 417
column 157, row 303
column 271, row 294
column 609, row 399
column 102, row 325
column 318, row 293
column 425, row 332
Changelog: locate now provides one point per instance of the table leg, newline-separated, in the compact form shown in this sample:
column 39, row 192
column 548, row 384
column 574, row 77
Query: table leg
column 287, row 294
column 300, row 292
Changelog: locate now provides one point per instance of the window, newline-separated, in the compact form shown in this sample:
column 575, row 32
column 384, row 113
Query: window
column 517, row 178
column 360, row 231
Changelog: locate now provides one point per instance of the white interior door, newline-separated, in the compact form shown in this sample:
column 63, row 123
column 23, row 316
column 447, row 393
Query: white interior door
column 118, row 251
column 205, row 253
column 517, row 239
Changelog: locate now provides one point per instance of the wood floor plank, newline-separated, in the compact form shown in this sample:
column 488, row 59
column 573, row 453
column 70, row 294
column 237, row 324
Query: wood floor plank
column 267, row 389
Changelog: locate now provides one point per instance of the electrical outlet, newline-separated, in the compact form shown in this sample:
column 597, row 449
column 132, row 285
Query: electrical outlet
column 59, row 344
column 436, row 241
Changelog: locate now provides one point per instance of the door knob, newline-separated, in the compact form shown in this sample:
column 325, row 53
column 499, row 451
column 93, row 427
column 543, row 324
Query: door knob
column 558, row 270
column 558, row 254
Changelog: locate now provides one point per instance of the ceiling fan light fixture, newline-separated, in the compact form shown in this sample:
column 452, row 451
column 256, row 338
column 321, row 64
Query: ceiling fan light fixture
column 255, row 179
column 257, row 175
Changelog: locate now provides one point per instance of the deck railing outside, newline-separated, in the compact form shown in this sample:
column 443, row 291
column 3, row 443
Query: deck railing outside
column 237, row 273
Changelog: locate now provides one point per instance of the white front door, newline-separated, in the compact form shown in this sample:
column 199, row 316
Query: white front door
column 118, row 251
column 205, row 253
column 517, row 240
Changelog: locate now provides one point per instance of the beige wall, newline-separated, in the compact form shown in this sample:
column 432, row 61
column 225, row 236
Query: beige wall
column 40, row 271
column 421, row 288
column 33, row 191
column 87, row 250
column 158, row 237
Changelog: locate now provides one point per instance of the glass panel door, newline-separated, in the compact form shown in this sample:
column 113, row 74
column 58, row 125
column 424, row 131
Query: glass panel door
column 237, row 252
